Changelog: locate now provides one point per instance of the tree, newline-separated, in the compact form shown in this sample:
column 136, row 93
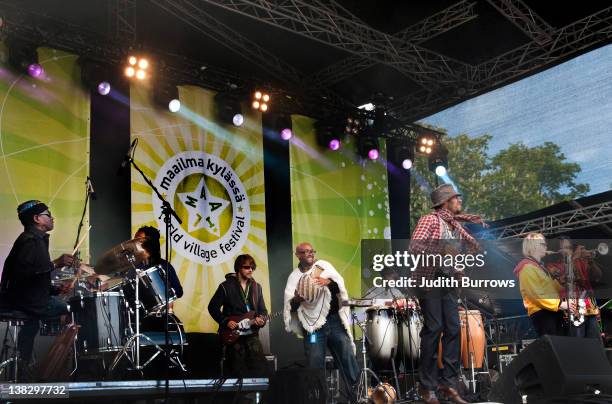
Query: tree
column 516, row 180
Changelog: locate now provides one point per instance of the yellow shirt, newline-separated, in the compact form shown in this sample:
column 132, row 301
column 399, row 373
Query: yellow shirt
column 539, row 290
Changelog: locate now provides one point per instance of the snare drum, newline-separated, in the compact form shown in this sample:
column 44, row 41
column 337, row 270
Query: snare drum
column 151, row 290
column 102, row 320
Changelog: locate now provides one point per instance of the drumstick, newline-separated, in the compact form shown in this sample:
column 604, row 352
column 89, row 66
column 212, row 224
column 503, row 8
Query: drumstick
column 81, row 241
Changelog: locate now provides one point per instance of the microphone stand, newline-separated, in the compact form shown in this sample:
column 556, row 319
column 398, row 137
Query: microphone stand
column 167, row 213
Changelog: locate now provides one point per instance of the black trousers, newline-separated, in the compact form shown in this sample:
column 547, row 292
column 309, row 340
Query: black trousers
column 440, row 320
column 55, row 308
column 547, row 322
column 245, row 358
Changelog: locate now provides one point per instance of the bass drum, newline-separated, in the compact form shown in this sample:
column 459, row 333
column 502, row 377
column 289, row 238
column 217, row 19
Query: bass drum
column 103, row 322
column 381, row 329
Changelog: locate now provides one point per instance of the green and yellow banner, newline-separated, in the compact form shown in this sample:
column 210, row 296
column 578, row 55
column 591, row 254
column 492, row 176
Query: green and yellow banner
column 336, row 201
column 212, row 175
column 44, row 147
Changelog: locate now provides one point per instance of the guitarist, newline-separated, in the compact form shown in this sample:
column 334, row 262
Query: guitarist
column 238, row 295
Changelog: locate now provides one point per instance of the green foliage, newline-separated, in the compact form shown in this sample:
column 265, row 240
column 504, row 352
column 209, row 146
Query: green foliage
column 516, row 180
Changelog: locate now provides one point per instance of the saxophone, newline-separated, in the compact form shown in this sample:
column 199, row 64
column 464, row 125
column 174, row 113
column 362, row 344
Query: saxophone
column 576, row 304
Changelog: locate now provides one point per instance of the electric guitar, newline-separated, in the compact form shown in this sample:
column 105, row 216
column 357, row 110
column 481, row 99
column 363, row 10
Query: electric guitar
column 246, row 326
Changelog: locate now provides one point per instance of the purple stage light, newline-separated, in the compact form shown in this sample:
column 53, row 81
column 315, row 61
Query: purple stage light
column 373, row 154
column 334, row 144
column 407, row 164
column 104, row 88
column 35, row 70
column 286, row 134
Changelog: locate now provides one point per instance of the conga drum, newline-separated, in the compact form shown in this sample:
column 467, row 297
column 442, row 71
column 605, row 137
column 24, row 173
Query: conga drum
column 381, row 332
column 477, row 343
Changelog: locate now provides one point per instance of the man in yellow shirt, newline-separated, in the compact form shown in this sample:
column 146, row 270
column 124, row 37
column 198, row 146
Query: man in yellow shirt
column 540, row 291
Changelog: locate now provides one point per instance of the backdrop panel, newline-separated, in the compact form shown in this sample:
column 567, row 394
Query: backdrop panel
column 213, row 176
column 44, row 147
column 336, row 201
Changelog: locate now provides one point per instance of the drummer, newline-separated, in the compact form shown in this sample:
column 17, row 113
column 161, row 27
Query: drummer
column 26, row 278
column 150, row 236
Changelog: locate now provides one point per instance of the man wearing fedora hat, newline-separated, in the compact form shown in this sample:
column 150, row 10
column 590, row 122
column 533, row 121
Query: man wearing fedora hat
column 439, row 306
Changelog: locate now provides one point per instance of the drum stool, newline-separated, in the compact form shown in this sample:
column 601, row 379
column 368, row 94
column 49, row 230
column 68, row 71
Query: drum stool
column 14, row 320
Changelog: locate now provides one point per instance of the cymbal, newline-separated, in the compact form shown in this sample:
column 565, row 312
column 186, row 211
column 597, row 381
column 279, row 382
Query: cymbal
column 122, row 257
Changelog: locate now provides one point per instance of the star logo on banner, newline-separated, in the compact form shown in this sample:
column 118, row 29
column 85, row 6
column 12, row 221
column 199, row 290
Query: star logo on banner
column 204, row 209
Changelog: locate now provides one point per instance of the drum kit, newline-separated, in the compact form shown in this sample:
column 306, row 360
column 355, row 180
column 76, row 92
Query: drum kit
column 110, row 300
column 391, row 335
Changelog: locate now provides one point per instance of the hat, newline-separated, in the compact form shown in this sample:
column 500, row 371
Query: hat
column 31, row 208
column 442, row 194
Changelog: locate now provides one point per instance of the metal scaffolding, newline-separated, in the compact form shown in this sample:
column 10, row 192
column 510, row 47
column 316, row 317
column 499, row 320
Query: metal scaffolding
column 525, row 19
column 580, row 218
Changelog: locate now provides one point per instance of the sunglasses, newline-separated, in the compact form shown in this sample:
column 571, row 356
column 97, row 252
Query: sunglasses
column 248, row 267
column 307, row 251
column 45, row 214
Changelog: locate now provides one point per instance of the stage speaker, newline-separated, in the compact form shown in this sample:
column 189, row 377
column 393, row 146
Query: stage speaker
column 298, row 386
column 555, row 367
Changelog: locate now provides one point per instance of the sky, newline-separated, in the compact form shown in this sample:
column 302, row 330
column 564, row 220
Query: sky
column 569, row 104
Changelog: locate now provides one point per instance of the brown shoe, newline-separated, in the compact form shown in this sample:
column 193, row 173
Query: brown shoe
column 451, row 394
column 428, row 396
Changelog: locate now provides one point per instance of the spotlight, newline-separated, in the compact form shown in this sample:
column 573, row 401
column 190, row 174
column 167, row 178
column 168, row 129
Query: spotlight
column 367, row 145
column 23, row 56
column 402, row 152
column 238, row 120
column 104, row 88
column 229, row 110
column 260, row 101
column 95, row 75
column 174, row 105
column 166, row 96
column 137, row 67
column 353, row 126
column 327, row 134
column 440, row 170
column 438, row 161
column 286, row 134
column 334, row 144
column 426, row 144
column 35, row 70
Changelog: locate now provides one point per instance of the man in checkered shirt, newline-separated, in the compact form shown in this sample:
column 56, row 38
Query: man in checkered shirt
column 439, row 305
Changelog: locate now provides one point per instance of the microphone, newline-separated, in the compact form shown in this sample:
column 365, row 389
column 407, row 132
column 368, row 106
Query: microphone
column 126, row 159
column 90, row 189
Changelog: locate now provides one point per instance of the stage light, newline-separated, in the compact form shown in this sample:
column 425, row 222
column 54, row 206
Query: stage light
column 137, row 67
column 438, row 160
column 373, row 154
column 353, row 126
column 229, row 109
column 35, row 70
column 407, row 164
column 104, row 88
column 286, row 134
column 260, row 101
column 426, row 144
column 174, row 105
column 238, row 119
column 334, row 144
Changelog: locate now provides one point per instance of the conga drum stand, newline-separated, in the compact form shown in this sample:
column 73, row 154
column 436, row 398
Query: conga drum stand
column 365, row 372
